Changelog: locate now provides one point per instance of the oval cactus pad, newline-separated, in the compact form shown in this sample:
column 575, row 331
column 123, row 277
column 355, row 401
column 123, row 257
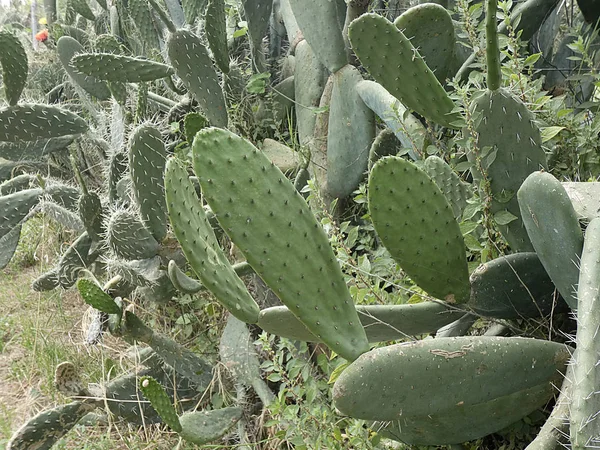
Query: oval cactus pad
column 415, row 222
column 263, row 214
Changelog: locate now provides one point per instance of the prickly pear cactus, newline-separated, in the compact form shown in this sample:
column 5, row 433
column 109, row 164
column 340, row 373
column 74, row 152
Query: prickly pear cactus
column 416, row 224
column 263, row 214
column 13, row 60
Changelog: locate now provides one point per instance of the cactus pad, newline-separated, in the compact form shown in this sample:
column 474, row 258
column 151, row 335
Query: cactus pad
column 94, row 296
column 416, row 224
column 508, row 126
column 13, row 60
column 402, row 72
column 200, row 245
column 449, row 183
column 381, row 322
column 203, row 427
column 147, row 160
column 429, row 28
column 129, row 238
column 45, row 429
column 192, row 64
column 350, row 134
column 554, row 230
column 512, row 287
column 160, row 401
column 263, row 214
column 119, row 68
column 31, row 122
column 216, row 33
column 412, row 378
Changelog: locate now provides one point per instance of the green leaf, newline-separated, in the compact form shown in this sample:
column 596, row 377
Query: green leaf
column 257, row 83
column 549, row 132
column 472, row 243
column 337, row 372
column 504, row 217
column 467, row 226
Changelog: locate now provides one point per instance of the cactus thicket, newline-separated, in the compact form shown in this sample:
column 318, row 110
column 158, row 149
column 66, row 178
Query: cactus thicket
column 171, row 203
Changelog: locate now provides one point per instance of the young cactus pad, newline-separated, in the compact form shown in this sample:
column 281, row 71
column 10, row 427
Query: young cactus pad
column 415, row 222
column 263, row 214
column 160, row 401
column 413, row 378
column 200, row 246
column 94, row 296
column 391, row 59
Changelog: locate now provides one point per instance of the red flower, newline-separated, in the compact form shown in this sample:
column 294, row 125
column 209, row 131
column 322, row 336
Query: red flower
column 42, row 36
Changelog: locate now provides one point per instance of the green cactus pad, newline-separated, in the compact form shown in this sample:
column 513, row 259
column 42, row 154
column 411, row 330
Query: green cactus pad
column 14, row 208
column 62, row 215
column 508, row 126
column 192, row 123
column 18, row 183
column 309, row 80
column 141, row 14
column 94, row 296
column 129, row 238
column 200, row 246
column 554, row 230
column 33, row 150
column 402, row 71
column 147, row 160
column 90, row 211
column 350, row 134
column 385, row 144
column 585, row 197
column 67, row 48
column 44, row 430
column 192, row 64
column 416, row 224
column 257, row 14
column 429, row 28
column 381, row 322
column 160, row 401
column 82, row 8
column 181, row 281
column 216, row 33
column 413, row 378
column 449, row 183
column 263, row 214
column 31, row 122
column 46, row 281
column 202, row 427
column 512, row 287
column 13, row 60
column 125, row 399
column 585, row 402
column 462, row 423
column 8, row 246
column 119, row 68
column 74, row 260
column 408, row 129
column 318, row 21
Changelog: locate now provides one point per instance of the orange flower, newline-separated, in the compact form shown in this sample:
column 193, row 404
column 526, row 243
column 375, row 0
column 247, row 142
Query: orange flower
column 42, row 35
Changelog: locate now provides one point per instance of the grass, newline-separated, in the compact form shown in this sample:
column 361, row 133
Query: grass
column 40, row 330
